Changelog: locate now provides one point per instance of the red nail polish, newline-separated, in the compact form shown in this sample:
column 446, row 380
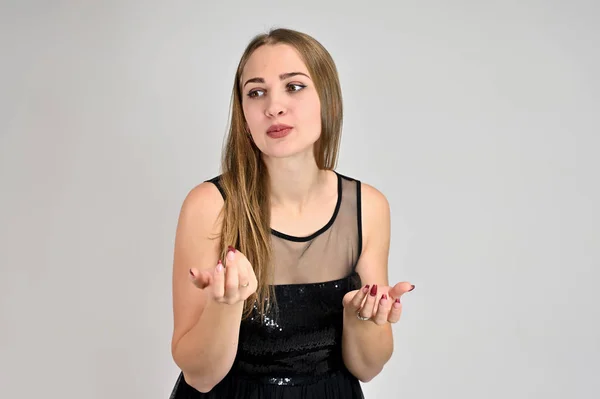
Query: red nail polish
column 397, row 300
column 384, row 296
column 411, row 288
column 365, row 289
column 230, row 248
column 374, row 290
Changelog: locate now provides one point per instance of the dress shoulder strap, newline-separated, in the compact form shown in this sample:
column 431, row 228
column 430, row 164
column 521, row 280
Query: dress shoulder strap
column 358, row 210
column 217, row 182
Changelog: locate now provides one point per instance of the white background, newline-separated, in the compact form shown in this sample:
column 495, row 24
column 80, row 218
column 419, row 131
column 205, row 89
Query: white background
column 478, row 120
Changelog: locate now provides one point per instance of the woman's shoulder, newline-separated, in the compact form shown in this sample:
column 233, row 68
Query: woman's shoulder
column 203, row 201
column 208, row 190
column 375, row 217
column 374, row 205
column 370, row 195
column 216, row 182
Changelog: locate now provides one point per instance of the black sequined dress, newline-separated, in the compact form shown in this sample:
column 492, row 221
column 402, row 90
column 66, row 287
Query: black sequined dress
column 295, row 352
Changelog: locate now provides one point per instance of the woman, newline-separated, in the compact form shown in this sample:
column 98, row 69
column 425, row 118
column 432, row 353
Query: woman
column 270, row 254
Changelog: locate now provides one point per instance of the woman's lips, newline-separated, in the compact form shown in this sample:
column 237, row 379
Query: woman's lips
column 279, row 130
column 276, row 134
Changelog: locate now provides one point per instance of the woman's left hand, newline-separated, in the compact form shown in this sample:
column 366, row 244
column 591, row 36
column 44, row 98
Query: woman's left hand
column 380, row 304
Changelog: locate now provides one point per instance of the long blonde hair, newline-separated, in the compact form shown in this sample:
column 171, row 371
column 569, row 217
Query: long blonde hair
column 245, row 179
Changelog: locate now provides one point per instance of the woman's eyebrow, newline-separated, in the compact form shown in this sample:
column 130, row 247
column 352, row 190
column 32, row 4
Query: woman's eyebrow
column 281, row 77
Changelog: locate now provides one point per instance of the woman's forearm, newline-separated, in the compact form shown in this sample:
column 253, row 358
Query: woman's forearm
column 206, row 353
column 366, row 346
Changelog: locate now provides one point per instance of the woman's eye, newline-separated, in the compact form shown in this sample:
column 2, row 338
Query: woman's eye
column 255, row 93
column 295, row 87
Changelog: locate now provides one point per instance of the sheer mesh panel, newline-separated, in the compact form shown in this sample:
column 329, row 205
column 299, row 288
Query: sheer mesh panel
column 328, row 254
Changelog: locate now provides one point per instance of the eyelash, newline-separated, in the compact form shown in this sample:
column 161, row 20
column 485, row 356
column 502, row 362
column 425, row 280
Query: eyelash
column 300, row 87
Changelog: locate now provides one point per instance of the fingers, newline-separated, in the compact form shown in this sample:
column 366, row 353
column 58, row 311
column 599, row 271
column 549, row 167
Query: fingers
column 359, row 297
column 387, row 309
column 218, row 286
column 244, row 280
column 232, row 281
column 244, row 275
column 396, row 312
column 400, row 289
column 369, row 305
column 230, row 284
column 396, row 293
column 235, row 282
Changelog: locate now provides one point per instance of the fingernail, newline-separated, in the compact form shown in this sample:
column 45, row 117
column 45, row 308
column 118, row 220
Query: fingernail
column 192, row 273
column 366, row 288
column 397, row 303
column 230, row 253
column 411, row 288
column 384, row 296
column 374, row 290
column 219, row 266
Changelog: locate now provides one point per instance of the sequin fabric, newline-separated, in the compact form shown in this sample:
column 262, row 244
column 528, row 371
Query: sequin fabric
column 299, row 339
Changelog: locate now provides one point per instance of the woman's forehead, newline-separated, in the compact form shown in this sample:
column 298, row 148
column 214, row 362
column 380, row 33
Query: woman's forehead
column 270, row 61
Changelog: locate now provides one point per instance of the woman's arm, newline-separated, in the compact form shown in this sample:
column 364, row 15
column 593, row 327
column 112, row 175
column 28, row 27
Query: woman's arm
column 366, row 346
column 205, row 334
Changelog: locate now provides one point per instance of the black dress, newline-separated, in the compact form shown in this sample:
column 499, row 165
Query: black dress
column 295, row 351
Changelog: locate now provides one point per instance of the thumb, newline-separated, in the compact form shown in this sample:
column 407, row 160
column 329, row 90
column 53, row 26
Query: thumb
column 348, row 297
column 201, row 279
column 400, row 289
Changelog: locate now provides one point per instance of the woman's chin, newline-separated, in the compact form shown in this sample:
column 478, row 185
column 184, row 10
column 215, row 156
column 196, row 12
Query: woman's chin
column 283, row 153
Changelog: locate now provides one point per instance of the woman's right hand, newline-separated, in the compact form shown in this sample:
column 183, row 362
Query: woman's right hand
column 228, row 285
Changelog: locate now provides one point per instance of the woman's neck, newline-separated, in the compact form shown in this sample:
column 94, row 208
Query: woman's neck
column 295, row 182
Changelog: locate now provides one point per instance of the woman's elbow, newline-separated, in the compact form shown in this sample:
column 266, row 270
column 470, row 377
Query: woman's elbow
column 198, row 383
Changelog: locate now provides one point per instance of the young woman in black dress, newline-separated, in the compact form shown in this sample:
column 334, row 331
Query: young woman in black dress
column 280, row 276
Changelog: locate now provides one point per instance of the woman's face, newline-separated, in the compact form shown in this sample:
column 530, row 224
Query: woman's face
column 280, row 102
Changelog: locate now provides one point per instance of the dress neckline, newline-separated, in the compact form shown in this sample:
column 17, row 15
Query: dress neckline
column 322, row 229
